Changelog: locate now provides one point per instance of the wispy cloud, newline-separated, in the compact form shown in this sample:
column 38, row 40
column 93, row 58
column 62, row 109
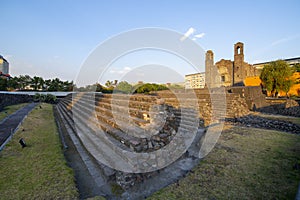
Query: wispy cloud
column 120, row 71
column 191, row 33
column 279, row 41
column 283, row 40
column 187, row 34
column 201, row 35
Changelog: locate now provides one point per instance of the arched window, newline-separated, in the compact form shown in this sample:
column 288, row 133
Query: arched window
column 238, row 50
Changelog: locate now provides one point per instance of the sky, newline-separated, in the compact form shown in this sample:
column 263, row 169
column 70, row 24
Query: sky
column 54, row 38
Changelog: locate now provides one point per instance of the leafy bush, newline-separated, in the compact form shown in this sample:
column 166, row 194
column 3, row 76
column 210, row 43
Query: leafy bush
column 149, row 87
column 36, row 97
column 123, row 87
column 50, row 98
column 47, row 98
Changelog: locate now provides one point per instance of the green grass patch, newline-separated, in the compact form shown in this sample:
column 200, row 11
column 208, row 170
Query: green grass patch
column 38, row 171
column 10, row 109
column 246, row 163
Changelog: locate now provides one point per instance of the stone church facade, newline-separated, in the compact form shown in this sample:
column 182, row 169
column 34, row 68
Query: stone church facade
column 226, row 72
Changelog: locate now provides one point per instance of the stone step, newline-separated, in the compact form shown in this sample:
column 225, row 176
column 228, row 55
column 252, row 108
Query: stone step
column 108, row 126
column 99, row 145
column 187, row 128
column 128, row 128
column 67, row 103
column 66, row 100
column 131, row 97
column 131, row 104
column 121, row 116
column 93, row 168
column 68, row 115
column 133, row 111
column 133, row 130
column 107, row 114
column 89, row 103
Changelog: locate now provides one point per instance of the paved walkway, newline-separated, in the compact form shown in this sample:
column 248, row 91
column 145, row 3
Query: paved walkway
column 10, row 124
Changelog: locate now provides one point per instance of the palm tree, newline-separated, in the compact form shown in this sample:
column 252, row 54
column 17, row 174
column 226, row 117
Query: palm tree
column 47, row 84
column 67, row 86
column 21, row 82
column 27, row 81
column 35, row 83
column 42, row 83
column 13, row 83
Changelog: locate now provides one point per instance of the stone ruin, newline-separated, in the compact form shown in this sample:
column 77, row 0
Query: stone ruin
column 141, row 124
column 144, row 124
column 228, row 73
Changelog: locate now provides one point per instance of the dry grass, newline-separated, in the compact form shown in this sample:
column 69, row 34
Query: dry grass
column 38, row 171
column 246, row 163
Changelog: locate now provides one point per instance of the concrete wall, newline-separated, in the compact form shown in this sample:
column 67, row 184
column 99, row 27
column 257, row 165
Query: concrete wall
column 11, row 99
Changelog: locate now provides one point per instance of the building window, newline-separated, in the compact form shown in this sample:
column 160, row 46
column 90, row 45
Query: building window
column 223, row 78
column 238, row 50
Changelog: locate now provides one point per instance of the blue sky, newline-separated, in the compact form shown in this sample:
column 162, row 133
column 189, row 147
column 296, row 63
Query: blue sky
column 52, row 38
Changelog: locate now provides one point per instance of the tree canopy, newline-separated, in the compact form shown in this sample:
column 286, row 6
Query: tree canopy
column 276, row 77
column 124, row 87
column 297, row 67
column 149, row 87
column 25, row 82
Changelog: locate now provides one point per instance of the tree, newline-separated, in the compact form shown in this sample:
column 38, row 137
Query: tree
column 3, row 84
column 13, row 83
column 297, row 67
column 36, row 83
column 286, row 86
column 27, row 80
column 124, row 87
column 149, row 87
column 275, row 77
column 42, row 83
column 24, row 81
column 68, row 86
column 55, row 85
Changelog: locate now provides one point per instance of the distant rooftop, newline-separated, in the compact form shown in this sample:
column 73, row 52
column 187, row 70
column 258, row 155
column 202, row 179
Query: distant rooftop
column 288, row 60
column 195, row 74
column 1, row 57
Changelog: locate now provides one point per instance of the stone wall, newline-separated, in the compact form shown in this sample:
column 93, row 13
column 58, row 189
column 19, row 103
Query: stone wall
column 210, row 103
column 11, row 99
column 254, row 97
column 287, row 107
column 225, row 68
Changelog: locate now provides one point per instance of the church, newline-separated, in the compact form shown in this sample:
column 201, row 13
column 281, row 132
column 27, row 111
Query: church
column 226, row 72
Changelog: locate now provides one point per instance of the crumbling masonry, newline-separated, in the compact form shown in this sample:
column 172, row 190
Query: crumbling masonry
column 226, row 72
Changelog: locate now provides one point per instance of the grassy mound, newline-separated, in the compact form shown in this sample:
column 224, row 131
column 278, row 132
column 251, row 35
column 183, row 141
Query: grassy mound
column 247, row 163
column 38, row 171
